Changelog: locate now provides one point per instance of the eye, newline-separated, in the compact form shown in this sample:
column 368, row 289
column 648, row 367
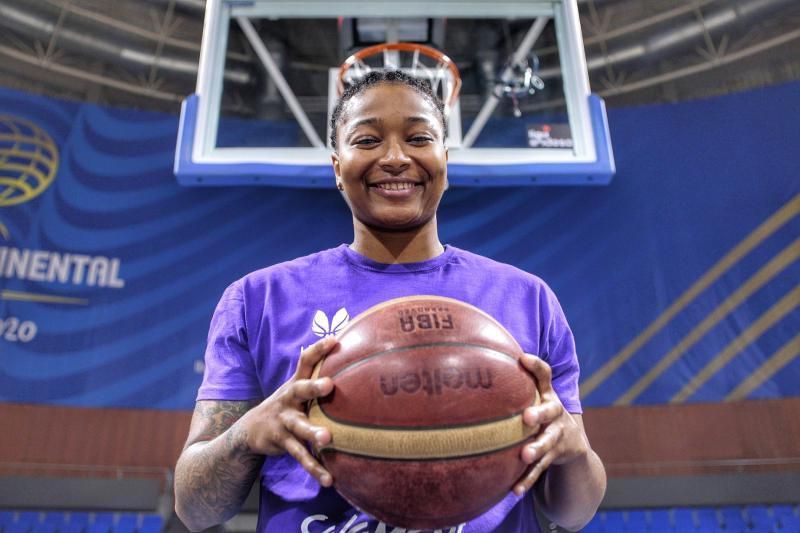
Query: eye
column 420, row 139
column 366, row 141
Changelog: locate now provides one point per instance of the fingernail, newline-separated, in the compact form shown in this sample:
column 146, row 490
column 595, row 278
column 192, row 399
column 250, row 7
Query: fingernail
column 319, row 436
column 325, row 480
column 518, row 490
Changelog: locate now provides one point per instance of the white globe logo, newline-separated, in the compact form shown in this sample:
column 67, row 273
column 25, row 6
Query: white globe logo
column 28, row 160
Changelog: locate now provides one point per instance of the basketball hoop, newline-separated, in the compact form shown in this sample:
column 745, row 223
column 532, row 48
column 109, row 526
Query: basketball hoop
column 356, row 66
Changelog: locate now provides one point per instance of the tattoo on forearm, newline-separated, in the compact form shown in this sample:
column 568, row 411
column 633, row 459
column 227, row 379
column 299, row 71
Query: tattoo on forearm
column 213, row 418
column 216, row 477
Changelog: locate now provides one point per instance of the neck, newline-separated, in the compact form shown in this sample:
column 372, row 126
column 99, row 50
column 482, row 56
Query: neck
column 388, row 247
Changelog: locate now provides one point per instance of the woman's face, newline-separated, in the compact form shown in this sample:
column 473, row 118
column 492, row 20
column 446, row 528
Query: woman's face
column 391, row 157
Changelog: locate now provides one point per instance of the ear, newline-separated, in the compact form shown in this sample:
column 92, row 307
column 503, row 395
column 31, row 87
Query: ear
column 446, row 158
column 336, row 167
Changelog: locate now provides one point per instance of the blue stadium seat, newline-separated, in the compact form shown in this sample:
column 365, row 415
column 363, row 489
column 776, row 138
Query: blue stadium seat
column 759, row 518
column 707, row 519
column 6, row 519
column 79, row 518
column 55, row 518
column 636, row 521
column 728, row 519
column 659, row 521
column 152, row 523
column 127, row 523
column 732, row 520
column 102, row 523
column 79, row 522
column 786, row 518
column 613, row 521
column 595, row 526
column 683, row 519
column 27, row 518
column 72, row 528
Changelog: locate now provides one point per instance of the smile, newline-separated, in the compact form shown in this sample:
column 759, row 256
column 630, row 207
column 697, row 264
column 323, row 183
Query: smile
column 395, row 186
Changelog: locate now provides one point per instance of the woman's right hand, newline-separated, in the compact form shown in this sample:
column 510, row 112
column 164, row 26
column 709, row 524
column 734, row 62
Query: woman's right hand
column 279, row 424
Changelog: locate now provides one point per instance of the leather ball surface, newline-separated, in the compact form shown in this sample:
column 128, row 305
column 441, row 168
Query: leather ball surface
column 426, row 412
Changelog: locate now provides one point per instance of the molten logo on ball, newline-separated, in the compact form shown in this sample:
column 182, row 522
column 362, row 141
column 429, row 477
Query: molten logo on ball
column 433, row 382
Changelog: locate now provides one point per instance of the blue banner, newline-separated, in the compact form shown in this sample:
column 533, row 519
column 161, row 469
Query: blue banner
column 680, row 279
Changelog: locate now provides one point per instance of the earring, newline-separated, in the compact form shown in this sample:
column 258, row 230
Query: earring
column 339, row 186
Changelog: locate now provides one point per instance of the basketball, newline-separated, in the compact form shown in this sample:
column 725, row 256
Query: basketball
column 426, row 412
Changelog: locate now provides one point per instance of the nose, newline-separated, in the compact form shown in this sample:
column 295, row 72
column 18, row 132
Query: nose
column 394, row 159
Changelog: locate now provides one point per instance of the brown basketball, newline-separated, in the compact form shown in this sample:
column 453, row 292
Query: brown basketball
column 426, row 412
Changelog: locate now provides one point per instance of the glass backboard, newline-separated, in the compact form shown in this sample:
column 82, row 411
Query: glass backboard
column 270, row 73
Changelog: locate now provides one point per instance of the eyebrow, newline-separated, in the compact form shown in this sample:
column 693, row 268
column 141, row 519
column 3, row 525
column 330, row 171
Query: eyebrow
column 363, row 122
column 373, row 121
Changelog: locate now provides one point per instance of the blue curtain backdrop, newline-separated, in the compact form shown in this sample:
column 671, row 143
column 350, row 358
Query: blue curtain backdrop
column 679, row 279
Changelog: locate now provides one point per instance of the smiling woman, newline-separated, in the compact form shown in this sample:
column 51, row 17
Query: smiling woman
column 390, row 162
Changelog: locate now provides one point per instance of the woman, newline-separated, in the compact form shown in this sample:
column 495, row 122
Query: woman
column 390, row 163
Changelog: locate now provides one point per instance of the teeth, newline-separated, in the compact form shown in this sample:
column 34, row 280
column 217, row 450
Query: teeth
column 395, row 186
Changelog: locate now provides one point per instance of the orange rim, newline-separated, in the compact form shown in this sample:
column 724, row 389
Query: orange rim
column 441, row 58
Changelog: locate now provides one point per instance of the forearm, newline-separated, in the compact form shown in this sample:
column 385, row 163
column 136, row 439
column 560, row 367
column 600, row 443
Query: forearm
column 212, row 479
column 570, row 494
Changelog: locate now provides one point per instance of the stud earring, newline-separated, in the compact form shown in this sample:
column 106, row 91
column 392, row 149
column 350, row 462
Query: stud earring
column 339, row 186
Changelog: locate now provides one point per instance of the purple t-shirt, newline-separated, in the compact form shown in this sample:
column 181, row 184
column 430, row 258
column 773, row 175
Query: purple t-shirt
column 265, row 319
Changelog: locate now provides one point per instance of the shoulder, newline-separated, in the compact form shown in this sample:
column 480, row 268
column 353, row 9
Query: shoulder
column 508, row 286
column 298, row 269
column 481, row 265
column 288, row 276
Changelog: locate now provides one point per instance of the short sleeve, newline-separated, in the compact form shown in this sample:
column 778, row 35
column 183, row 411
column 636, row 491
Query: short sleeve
column 230, row 372
column 561, row 354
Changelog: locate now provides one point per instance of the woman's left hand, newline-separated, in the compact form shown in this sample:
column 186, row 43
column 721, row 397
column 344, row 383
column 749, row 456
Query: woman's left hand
column 561, row 438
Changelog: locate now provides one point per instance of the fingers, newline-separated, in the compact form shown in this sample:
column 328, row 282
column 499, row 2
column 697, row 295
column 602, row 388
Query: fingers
column 540, row 454
column 301, row 389
column 313, row 355
column 543, row 444
column 293, row 416
column 550, row 407
column 540, row 370
column 283, row 426
column 536, row 471
column 301, row 430
column 545, row 413
column 307, row 389
column 298, row 425
column 307, row 461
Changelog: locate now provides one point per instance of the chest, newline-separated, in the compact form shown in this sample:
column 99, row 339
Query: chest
column 291, row 324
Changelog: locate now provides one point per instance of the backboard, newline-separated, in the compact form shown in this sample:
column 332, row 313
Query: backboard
column 269, row 77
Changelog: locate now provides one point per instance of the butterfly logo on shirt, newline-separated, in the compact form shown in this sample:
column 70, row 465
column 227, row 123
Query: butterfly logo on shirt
column 322, row 327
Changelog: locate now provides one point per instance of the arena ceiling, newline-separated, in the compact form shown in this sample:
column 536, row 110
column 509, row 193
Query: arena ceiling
column 144, row 53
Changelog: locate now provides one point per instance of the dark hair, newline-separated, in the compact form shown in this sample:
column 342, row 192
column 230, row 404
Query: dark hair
column 377, row 77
